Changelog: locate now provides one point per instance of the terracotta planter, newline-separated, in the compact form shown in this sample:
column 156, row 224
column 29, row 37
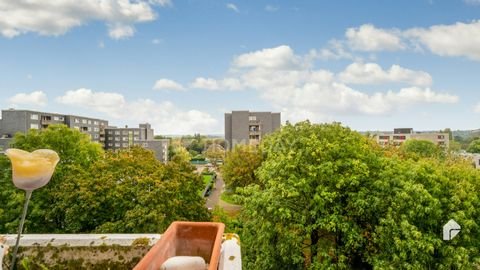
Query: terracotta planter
column 202, row 239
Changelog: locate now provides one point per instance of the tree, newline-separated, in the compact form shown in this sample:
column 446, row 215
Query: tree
column 77, row 152
column 421, row 149
column 214, row 153
column 239, row 166
column 330, row 198
column 129, row 191
column 474, row 146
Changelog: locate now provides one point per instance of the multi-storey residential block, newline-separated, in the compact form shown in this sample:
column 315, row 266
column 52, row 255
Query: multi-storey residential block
column 14, row 121
column 400, row 135
column 113, row 138
column 121, row 138
column 244, row 127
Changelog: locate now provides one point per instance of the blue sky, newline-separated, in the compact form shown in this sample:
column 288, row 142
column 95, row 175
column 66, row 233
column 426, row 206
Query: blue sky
column 180, row 65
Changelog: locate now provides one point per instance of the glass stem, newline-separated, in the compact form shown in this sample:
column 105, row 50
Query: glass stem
column 28, row 194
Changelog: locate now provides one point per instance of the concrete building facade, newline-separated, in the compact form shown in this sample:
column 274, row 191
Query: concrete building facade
column 121, row 138
column 111, row 138
column 245, row 127
column 14, row 121
column 400, row 135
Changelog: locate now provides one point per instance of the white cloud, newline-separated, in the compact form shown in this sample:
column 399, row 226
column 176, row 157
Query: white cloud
column 369, row 38
column 232, row 7
column 334, row 51
column 205, row 83
column 120, row 31
column 271, row 8
column 289, row 83
column 168, row 85
column 58, row 17
column 165, row 117
column 281, row 57
column 372, row 73
column 459, row 39
column 36, row 98
column 212, row 84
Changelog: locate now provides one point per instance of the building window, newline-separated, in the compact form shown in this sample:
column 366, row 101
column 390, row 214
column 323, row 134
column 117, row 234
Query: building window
column 399, row 137
column 125, row 138
column 136, row 138
column 125, row 144
column 136, row 132
column 117, row 145
column 117, row 138
column 441, row 137
column 96, row 129
column 117, row 132
column 34, row 116
column 84, row 121
column 95, row 136
column 384, row 137
column 33, row 126
column 89, row 122
column 77, row 120
column 145, row 144
column 56, row 118
column 95, row 122
column 252, row 118
column 125, row 132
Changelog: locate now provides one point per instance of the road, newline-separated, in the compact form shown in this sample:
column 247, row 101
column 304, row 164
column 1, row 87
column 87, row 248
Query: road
column 214, row 198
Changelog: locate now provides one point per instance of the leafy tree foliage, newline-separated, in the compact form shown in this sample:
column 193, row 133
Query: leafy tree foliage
column 421, row 149
column 76, row 152
column 474, row 146
column 239, row 166
column 93, row 191
column 329, row 198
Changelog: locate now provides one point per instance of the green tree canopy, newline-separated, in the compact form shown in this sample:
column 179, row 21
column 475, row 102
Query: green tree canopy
column 474, row 146
column 93, row 191
column 420, row 149
column 239, row 166
column 330, row 198
column 77, row 152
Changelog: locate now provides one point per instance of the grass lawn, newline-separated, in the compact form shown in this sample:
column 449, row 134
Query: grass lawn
column 228, row 197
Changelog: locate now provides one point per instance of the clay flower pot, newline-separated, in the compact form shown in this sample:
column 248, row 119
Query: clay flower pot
column 32, row 170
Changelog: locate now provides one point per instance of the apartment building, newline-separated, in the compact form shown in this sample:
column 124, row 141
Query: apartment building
column 112, row 138
column 245, row 127
column 14, row 121
column 121, row 138
column 400, row 135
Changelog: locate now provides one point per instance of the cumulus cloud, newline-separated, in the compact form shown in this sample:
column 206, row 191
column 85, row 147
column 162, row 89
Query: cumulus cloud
column 212, row 84
column 459, row 39
column 369, row 38
column 165, row 117
column 232, row 7
column 289, row 83
column 36, row 98
column 372, row 73
column 58, row 17
column 168, row 85
column 281, row 57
